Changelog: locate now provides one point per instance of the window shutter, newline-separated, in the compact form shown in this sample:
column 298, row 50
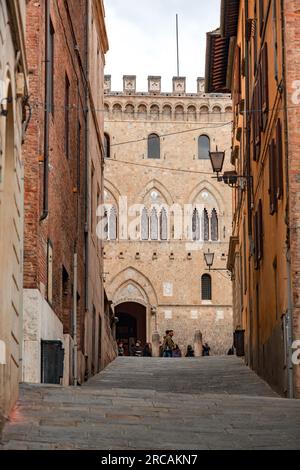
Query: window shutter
column 255, row 241
column 261, row 16
column 272, row 178
column 279, row 165
column 265, row 82
column 260, row 231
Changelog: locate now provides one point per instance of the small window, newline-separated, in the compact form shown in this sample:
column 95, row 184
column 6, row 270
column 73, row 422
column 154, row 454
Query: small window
column 153, row 146
column 206, row 291
column 106, row 146
column 203, row 147
column 214, row 226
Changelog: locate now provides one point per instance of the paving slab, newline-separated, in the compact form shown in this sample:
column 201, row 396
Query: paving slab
column 157, row 404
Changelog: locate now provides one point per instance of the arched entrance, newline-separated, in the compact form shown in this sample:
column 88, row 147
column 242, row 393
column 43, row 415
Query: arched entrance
column 132, row 324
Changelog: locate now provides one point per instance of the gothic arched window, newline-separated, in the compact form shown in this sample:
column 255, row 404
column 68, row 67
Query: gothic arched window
column 214, row 226
column 196, row 225
column 145, row 224
column 106, row 146
column 154, row 225
column 112, row 224
column 205, row 226
column 163, row 225
column 206, row 288
column 153, row 146
column 106, row 225
column 203, row 147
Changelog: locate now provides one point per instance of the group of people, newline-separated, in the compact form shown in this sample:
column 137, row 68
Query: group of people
column 168, row 348
column 136, row 349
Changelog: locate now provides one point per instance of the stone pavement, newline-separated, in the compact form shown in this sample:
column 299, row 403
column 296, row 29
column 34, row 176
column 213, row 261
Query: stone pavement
column 152, row 404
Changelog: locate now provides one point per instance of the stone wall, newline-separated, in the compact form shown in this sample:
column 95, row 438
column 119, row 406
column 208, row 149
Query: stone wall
column 166, row 275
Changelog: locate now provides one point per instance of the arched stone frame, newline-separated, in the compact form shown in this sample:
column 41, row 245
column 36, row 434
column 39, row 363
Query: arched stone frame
column 113, row 201
column 158, row 186
column 113, row 113
column 213, row 105
column 129, row 115
column 167, row 106
column 138, row 112
column 155, row 117
column 115, row 193
column 131, row 276
column 191, row 107
column 180, row 105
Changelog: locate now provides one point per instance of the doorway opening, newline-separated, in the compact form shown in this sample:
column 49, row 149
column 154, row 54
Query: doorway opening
column 132, row 324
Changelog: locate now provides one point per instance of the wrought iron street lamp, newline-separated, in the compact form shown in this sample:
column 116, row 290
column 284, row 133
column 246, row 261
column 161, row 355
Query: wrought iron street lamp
column 231, row 178
column 209, row 259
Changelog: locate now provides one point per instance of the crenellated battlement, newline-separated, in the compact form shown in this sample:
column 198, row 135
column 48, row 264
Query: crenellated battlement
column 154, row 87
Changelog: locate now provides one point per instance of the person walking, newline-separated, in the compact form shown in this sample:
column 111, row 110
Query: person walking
column 121, row 351
column 138, row 350
column 168, row 345
column 205, row 350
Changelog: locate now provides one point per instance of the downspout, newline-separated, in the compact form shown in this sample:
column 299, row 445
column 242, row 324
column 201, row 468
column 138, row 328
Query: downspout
column 75, row 371
column 249, row 187
column 86, row 152
column 289, row 320
column 46, row 113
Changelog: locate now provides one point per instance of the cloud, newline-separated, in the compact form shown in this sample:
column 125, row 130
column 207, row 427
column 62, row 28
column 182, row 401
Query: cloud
column 143, row 41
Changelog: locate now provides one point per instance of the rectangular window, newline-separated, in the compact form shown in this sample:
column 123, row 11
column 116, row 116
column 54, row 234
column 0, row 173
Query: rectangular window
column 92, row 196
column 265, row 83
column 67, row 116
column 245, row 257
column 78, row 155
column 279, row 158
column 50, row 272
column 272, row 178
column 275, row 43
column 51, row 66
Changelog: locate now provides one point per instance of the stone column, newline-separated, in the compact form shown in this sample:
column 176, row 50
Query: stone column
column 155, row 344
column 198, row 343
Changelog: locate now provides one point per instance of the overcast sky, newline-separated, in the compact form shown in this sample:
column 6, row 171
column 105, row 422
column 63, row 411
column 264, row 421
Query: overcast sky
column 142, row 39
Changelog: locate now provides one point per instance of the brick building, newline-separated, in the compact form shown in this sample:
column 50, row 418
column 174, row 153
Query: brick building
column 13, row 92
column 157, row 148
column 256, row 55
column 63, row 289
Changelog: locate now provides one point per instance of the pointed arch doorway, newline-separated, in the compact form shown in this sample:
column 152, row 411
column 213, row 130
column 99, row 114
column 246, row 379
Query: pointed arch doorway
column 132, row 325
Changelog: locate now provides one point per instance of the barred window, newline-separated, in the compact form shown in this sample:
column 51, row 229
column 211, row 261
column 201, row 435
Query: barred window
column 196, row 225
column 163, row 225
column 154, row 225
column 113, row 224
column 153, row 146
column 206, row 290
column 214, row 226
column 205, row 226
column 145, row 224
column 203, row 147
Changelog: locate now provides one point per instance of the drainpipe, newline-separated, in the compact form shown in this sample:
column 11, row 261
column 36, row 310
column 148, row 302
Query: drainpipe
column 86, row 152
column 75, row 349
column 47, row 112
column 289, row 318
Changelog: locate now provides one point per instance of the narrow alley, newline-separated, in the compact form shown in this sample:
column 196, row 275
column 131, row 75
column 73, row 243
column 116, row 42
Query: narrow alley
column 153, row 403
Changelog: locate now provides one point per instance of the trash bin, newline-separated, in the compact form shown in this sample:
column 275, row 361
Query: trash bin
column 239, row 342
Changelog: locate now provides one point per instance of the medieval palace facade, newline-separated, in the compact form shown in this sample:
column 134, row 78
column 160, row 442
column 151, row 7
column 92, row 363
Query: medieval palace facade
column 158, row 173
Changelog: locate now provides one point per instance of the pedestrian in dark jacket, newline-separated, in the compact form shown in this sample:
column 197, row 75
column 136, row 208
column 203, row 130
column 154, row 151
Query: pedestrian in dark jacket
column 190, row 351
column 147, row 352
column 205, row 350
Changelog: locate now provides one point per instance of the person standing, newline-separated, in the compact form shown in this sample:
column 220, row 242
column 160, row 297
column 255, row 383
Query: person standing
column 138, row 350
column 190, row 352
column 205, row 350
column 147, row 352
column 169, row 344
